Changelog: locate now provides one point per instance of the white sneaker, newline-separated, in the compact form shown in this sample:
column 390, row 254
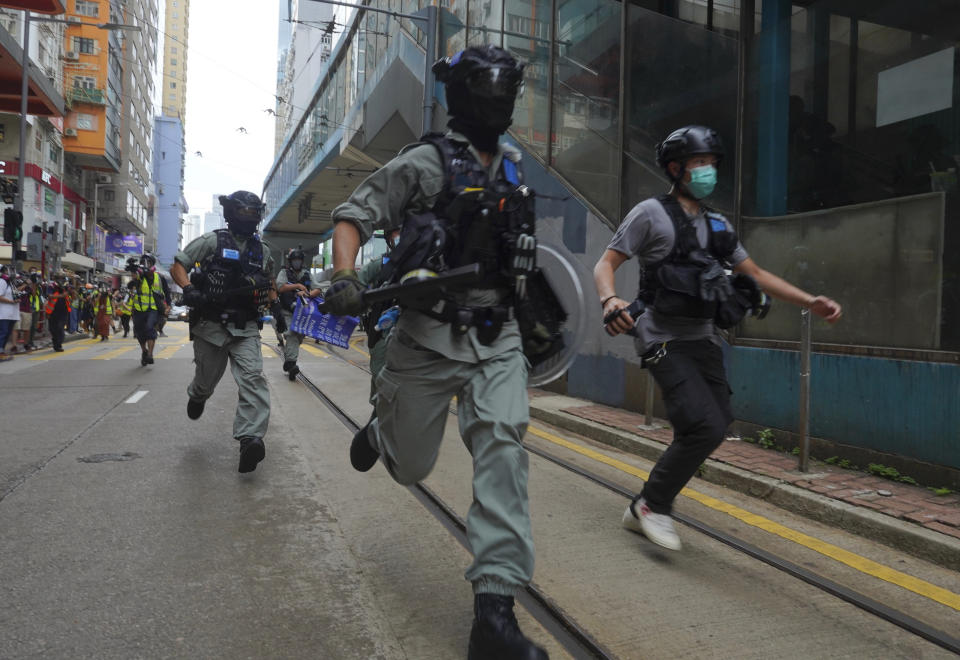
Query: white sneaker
column 655, row 526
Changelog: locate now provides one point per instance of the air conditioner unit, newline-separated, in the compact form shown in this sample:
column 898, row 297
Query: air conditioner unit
column 103, row 178
column 71, row 55
column 70, row 132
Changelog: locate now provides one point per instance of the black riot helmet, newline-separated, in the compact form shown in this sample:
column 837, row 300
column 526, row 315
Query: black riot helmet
column 148, row 260
column 685, row 142
column 243, row 211
column 295, row 259
column 482, row 84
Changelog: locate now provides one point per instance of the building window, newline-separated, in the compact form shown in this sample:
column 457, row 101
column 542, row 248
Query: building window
column 85, row 45
column 49, row 201
column 173, row 50
column 38, row 142
column 173, row 85
column 86, row 122
column 173, row 96
column 173, row 61
column 85, row 82
column 87, row 8
column 109, row 196
column 175, row 15
column 54, row 153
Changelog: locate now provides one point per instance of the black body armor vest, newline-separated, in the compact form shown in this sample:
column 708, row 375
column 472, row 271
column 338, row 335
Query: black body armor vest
column 289, row 298
column 690, row 281
column 234, row 283
column 474, row 219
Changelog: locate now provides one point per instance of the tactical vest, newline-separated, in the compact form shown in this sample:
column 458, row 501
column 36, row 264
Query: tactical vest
column 289, row 298
column 474, row 220
column 690, row 281
column 234, row 282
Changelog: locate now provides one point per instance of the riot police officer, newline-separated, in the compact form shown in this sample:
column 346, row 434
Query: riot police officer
column 293, row 281
column 467, row 344
column 226, row 292
column 684, row 247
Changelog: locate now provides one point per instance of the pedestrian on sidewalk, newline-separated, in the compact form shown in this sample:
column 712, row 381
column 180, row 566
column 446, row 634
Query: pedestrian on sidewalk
column 682, row 243
column 9, row 312
column 58, row 312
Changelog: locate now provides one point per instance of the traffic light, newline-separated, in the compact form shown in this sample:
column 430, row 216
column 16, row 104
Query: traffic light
column 12, row 225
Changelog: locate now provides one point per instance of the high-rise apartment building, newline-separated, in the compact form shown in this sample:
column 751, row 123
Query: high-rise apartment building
column 108, row 75
column 174, row 92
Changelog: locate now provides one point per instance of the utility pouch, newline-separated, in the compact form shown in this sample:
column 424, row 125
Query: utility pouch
column 679, row 292
column 747, row 298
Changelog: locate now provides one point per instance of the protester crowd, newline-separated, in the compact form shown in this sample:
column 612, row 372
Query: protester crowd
column 32, row 308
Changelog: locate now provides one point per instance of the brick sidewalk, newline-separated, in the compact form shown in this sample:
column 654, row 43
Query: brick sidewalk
column 906, row 502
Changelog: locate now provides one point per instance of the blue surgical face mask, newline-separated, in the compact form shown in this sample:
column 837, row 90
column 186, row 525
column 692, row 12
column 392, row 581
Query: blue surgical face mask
column 703, row 180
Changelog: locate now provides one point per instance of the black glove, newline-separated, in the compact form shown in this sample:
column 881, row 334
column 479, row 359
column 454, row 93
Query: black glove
column 192, row 297
column 280, row 323
column 345, row 295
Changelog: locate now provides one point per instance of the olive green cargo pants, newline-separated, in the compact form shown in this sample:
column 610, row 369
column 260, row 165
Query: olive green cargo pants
column 246, row 363
column 291, row 341
column 414, row 390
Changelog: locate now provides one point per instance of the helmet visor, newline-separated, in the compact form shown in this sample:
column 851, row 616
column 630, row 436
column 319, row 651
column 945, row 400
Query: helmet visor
column 496, row 82
column 243, row 212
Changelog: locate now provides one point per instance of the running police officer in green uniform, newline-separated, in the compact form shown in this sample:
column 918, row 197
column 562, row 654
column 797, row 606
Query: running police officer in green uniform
column 226, row 294
column 683, row 248
column 467, row 344
column 293, row 281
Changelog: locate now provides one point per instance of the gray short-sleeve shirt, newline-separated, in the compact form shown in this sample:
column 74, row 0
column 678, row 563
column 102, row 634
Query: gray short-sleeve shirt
column 647, row 233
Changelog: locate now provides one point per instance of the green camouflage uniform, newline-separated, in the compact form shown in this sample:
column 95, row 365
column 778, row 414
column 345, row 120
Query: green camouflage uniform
column 214, row 343
column 427, row 364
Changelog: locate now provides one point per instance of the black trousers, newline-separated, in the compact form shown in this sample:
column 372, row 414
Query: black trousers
column 125, row 322
column 695, row 391
column 58, row 326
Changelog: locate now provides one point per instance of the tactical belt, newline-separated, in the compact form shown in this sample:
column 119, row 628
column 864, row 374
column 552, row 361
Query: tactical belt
column 487, row 320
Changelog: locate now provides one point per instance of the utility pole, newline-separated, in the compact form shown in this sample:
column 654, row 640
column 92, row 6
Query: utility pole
column 22, row 161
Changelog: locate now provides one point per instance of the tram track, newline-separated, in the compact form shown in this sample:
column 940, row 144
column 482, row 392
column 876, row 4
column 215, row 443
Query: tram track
column 577, row 641
column 550, row 615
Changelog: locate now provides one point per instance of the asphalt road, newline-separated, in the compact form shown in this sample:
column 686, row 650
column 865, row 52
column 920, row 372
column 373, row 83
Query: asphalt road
column 128, row 533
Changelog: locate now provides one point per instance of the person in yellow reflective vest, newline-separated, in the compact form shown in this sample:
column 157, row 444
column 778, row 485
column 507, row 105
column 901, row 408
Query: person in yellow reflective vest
column 103, row 314
column 126, row 307
column 146, row 303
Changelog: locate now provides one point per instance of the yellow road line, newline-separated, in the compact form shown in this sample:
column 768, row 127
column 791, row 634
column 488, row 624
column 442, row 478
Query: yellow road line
column 67, row 351
column 168, row 351
column 853, row 560
column 116, row 352
column 313, row 350
column 353, row 345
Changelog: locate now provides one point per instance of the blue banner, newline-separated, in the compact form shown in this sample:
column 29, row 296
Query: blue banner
column 308, row 320
column 130, row 244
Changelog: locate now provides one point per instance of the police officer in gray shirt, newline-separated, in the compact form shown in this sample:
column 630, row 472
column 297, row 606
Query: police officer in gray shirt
column 683, row 249
column 473, row 353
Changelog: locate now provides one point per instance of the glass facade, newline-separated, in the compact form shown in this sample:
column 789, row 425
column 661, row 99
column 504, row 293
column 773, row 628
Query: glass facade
column 840, row 122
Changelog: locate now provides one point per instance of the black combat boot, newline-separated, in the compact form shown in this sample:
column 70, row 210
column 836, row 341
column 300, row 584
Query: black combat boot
column 195, row 408
column 496, row 635
column 252, row 452
column 287, row 364
column 362, row 455
column 292, row 373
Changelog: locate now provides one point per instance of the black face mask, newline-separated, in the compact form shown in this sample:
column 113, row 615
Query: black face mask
column 243, row 227
column 296, row 264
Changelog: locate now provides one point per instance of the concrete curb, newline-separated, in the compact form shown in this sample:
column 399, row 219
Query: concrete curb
column 899, row 534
